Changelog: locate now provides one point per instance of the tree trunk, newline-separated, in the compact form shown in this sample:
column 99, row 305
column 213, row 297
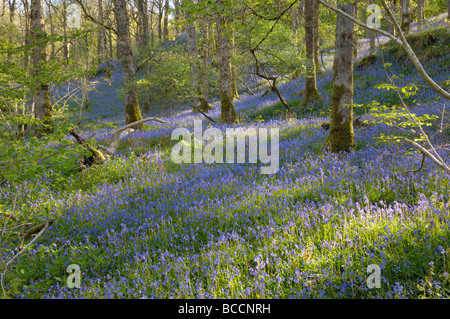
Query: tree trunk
column 166, row 20
column 205, row 106
column 160, row 17
column 43, row 105
column 228, row 113
column 132, row 110
column 341, row 127
column 421, row 12
column 448, row 11
column 371, row 36
column 177, row 18
column 12, row 11
column 66, row 46
column 355, row 38
column 316, row 25
column 406, row 16
column 142, row 9
column 312, row 94
column 234, row 88
column 100, row 34
column 26, row 56
column 294, row 25
column 192, row 48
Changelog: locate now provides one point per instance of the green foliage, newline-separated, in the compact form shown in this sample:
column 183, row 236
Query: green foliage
column 170, row 78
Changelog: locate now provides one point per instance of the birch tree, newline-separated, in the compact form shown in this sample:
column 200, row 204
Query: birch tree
column 228, row 113
column 341, row 127
column 132, row 110
column 43, row 104
column 311, row 9
column 406, row 16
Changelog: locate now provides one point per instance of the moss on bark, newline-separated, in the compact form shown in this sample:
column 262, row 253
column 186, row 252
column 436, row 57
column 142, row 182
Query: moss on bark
column 342, row 136
column 132, row 113
column 227, row 106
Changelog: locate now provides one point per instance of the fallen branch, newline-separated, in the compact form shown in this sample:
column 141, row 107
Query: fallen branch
column 118, row 131
column 9, row 216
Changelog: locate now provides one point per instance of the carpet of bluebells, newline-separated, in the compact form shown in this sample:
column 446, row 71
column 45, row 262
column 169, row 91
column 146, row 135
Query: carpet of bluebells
column 144, row 227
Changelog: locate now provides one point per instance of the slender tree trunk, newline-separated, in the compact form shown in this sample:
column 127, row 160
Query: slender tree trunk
column 355, row 39
column 406, row 16
column 26, row 56
column 43, row 105
column 50, row 18
column 166, row 20
column 132, row 110
column 420, row 12
column 226, row 95
column 234, row 88
column 192, row 48
column 160, row 17
column 12, row 11
column 316, row 25
column 152, row 35
column 371, row 36
column 204, row 100
column 66, row 46
column 177, row 18
column 294, row 27
column 312, row 94
column 100, row 34
column 341, row 128
column 142, row 8
column 448, row 10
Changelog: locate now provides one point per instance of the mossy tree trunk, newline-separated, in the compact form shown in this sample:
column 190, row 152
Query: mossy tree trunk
column 341, row 127
column 406, row 16
column 43, row 104
column 132, row 110
column 310, row 9
column 228, row 113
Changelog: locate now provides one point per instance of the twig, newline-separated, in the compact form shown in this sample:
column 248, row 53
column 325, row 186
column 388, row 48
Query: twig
column 422, row 165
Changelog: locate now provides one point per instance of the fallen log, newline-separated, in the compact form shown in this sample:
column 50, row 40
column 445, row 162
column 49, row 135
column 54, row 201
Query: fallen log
column 97, row 156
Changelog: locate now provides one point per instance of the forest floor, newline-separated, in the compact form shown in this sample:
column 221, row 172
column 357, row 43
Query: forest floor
column 143, row 227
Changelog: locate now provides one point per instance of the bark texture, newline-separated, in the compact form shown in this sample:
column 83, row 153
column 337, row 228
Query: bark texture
column 312, row 94
column 406, row 16
column 228, row 113
column 43, row 104
column 341, row 126
column 132, row 110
